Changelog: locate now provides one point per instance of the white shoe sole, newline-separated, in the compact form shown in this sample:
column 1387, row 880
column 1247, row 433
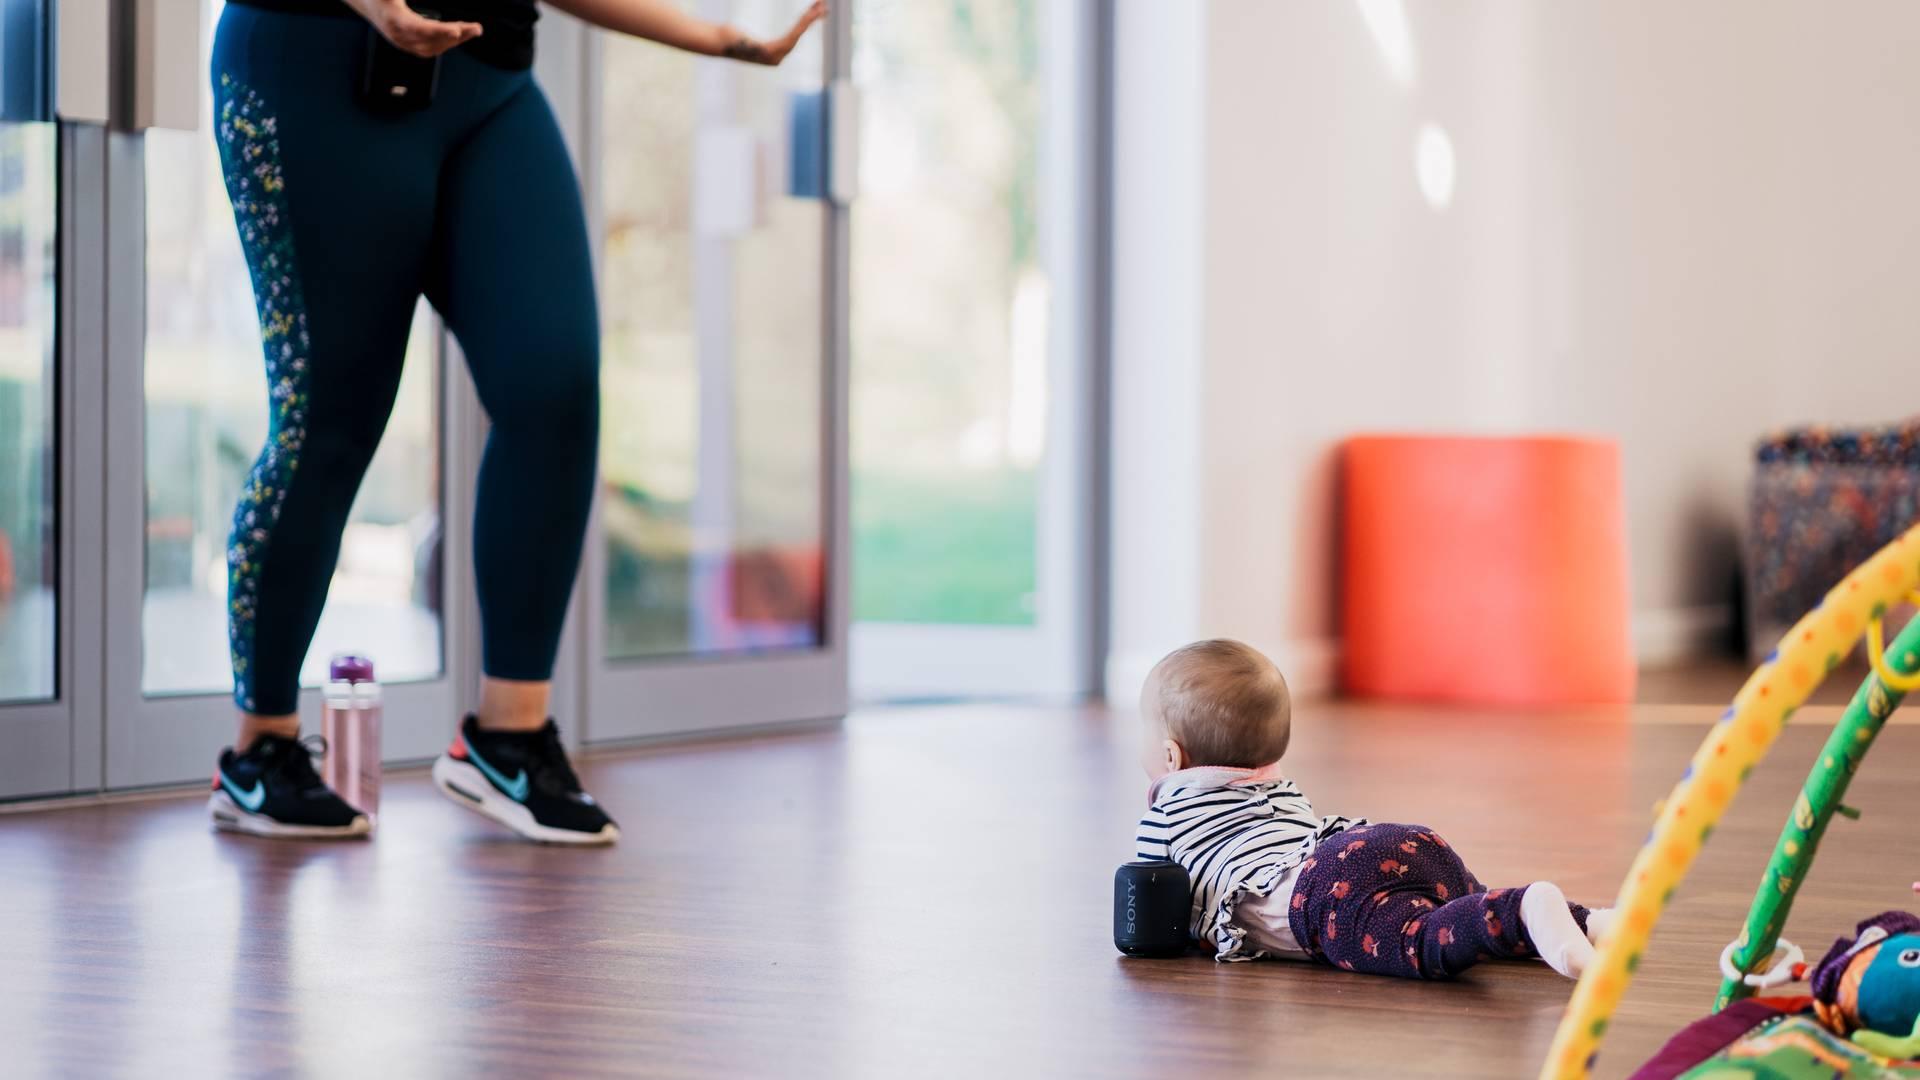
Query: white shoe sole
column 230, row 816
column 460, row 781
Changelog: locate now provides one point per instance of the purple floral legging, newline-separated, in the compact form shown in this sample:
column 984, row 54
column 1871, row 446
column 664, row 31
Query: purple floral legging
column 1396, row 900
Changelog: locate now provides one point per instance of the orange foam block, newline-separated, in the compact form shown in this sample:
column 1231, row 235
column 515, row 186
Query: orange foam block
column 1485, row 570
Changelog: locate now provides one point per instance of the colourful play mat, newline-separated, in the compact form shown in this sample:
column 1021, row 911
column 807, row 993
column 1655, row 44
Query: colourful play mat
column 1767, row 1039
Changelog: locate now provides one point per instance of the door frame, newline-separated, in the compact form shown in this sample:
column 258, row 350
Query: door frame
column 53, row 746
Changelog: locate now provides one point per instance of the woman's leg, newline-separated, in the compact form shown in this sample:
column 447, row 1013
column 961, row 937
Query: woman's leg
column 514, row 704
column 334, row 220
column 334, row 215
column 513, row 277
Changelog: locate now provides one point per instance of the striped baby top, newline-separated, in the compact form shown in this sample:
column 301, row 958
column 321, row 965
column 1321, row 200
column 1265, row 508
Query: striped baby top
column 1239, row 833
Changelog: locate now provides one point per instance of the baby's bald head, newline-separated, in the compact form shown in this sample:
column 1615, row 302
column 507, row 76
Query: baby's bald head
column 1224, row 702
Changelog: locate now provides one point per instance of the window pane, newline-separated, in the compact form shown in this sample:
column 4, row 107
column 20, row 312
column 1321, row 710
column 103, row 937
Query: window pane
column 713, row 354
column 206, row 419
column 949, row 351
column 27, row 530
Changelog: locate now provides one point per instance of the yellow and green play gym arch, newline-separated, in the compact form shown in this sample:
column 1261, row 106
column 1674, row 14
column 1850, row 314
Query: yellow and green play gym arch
column 1742, row 737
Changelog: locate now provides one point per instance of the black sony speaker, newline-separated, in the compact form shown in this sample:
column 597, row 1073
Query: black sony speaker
column 1152, row 902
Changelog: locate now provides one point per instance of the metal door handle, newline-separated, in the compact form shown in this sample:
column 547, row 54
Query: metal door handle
column 823, row 143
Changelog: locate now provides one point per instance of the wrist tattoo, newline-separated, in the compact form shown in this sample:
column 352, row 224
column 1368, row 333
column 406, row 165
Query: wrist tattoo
column 745, row 48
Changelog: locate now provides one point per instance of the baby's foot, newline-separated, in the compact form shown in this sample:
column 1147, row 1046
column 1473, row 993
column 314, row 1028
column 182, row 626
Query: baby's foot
column 1598, row 921
column 1556, row 936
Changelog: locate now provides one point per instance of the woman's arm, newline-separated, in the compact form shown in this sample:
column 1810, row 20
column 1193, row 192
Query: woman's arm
column 664, row 22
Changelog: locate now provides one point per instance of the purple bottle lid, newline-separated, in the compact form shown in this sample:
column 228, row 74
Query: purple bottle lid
column 349, row 668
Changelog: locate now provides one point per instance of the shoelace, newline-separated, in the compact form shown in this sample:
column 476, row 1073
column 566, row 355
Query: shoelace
column 296, row 762
column 549, row 764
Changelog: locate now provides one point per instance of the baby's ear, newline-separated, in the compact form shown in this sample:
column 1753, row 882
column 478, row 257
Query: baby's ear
column 1176, row 755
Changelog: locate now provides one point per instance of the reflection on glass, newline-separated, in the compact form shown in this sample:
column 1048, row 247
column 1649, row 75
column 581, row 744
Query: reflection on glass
column 27, row 219
column 206, row 418
column 949, row 311
column 713, row 354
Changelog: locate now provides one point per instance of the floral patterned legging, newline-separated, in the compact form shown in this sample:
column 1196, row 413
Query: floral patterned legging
column 1388, row 899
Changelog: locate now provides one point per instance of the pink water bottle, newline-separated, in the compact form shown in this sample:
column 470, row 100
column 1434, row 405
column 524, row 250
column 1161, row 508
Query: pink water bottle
column 350, row 720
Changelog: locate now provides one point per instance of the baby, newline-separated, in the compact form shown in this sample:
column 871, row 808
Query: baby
column 1272, row 878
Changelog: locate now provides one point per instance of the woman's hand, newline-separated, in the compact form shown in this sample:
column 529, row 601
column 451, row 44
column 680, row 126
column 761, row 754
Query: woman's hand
column 413, row 32
column 664, row 21
column 770, row 53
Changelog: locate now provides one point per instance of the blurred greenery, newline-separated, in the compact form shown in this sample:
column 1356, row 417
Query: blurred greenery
column 945, row 238
column 944, row 548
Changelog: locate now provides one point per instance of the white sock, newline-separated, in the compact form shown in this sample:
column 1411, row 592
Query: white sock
column 1598, row 921
column 1556, row 936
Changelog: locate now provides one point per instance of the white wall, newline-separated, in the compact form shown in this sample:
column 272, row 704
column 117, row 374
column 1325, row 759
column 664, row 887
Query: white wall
column 1157, row 338
column 1678, row 225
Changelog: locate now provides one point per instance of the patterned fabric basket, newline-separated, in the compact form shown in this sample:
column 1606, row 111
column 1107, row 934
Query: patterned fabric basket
column 1823, row 500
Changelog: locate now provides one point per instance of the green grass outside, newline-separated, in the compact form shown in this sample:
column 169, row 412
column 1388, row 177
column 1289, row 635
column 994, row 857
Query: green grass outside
column 946, row 547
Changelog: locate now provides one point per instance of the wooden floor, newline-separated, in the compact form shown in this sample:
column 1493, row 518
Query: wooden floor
column 921, row 892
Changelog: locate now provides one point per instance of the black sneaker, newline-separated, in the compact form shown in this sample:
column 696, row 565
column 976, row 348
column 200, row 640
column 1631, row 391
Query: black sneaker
column 272, row 790
column 522, row 780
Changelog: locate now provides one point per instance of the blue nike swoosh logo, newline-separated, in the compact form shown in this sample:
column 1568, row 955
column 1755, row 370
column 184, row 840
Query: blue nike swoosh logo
column 249, row 799
column 515, row 789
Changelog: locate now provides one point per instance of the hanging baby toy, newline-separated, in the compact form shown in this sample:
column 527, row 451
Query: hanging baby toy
column 1861, row 1022
column 1868, row 986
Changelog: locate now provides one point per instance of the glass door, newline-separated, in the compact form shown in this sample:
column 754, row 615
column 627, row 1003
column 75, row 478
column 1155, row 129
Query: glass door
column 188, row 404
column 35, row 734
column 49, row 350
column 972, row 385
column 29, row 451
column 715, row 577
